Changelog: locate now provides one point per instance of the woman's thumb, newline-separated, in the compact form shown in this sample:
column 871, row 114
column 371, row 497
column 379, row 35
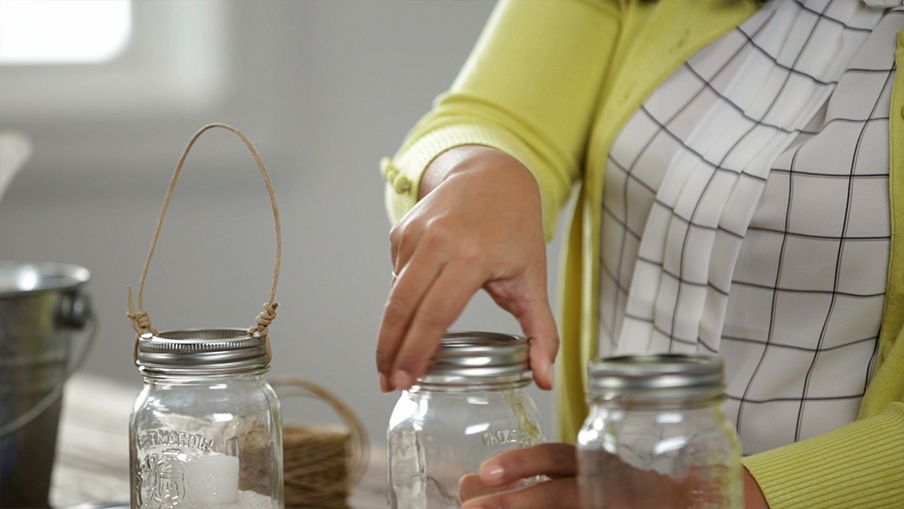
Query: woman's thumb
column 539, row 326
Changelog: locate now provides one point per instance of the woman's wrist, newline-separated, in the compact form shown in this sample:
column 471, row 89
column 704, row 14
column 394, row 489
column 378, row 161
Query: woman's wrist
column 464, row 159
column 753, row 495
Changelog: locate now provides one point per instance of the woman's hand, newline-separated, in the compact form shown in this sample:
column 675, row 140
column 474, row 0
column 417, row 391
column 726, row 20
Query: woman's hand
column 478, row 225
column 617, row 482
column 557, row 462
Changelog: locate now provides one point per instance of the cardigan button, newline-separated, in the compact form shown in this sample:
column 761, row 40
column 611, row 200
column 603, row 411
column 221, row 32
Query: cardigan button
column 402, row 184
column 388, row 169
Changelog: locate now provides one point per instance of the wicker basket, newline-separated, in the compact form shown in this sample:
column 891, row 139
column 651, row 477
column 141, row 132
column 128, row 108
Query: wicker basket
column 321, row 463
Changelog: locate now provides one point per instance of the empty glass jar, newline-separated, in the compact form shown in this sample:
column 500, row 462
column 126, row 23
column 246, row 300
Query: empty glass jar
column 205, row 432
column 656, row 437
column 471, row 405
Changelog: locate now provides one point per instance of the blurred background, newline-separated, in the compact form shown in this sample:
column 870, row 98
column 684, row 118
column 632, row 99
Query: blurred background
column 107, row 92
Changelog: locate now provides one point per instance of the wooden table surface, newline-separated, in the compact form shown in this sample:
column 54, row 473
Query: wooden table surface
column 92, row 463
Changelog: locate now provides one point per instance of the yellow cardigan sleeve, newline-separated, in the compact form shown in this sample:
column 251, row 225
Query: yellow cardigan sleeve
column 860, row 465
column 529, row 88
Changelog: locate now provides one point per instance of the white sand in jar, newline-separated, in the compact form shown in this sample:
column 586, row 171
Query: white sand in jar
column 246, row 500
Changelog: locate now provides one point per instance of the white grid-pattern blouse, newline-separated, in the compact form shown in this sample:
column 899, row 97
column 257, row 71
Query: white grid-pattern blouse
column 745, row 212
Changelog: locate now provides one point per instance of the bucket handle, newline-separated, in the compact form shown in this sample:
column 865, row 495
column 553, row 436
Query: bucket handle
column 139, row 317
column 78, row 315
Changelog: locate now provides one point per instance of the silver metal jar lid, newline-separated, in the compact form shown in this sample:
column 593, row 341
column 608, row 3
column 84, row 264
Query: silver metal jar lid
column 656, row 376
column 469, row 358
column 202, row 351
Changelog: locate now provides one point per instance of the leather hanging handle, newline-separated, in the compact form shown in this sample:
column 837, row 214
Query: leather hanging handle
column 139, row 317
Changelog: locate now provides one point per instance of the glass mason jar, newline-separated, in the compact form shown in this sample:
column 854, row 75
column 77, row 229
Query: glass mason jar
column 656, row 436
column 205, row 431
column 471, row 405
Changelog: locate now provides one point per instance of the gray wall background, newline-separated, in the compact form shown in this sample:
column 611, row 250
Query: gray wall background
column 325, row 88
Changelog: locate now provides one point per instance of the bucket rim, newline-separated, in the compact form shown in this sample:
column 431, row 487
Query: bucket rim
column 62, row 276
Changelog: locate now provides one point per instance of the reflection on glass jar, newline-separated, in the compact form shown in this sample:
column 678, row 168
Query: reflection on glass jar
column 205, row 431
column 471, row 405
column 656, row 437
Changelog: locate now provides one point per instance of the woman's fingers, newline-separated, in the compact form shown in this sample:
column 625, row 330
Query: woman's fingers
column 470, row 486
column 551, row 460
column 526, row 298
column 407, row 291
column 539, row 325
column 404, row 239
column 557, row 493
column 441, row 305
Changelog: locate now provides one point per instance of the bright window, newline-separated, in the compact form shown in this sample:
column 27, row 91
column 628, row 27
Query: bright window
column 63, row 31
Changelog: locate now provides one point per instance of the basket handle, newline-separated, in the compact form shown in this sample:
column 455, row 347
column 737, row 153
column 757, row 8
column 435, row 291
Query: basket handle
column 288, row 387
column 139, row 317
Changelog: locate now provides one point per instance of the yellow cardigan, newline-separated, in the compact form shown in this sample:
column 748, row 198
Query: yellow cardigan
column 551, row 82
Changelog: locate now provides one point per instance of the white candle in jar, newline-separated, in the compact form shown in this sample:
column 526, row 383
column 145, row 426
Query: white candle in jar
column 213, row 479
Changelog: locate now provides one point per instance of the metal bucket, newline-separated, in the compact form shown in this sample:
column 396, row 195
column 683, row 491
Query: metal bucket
column 42, row 305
